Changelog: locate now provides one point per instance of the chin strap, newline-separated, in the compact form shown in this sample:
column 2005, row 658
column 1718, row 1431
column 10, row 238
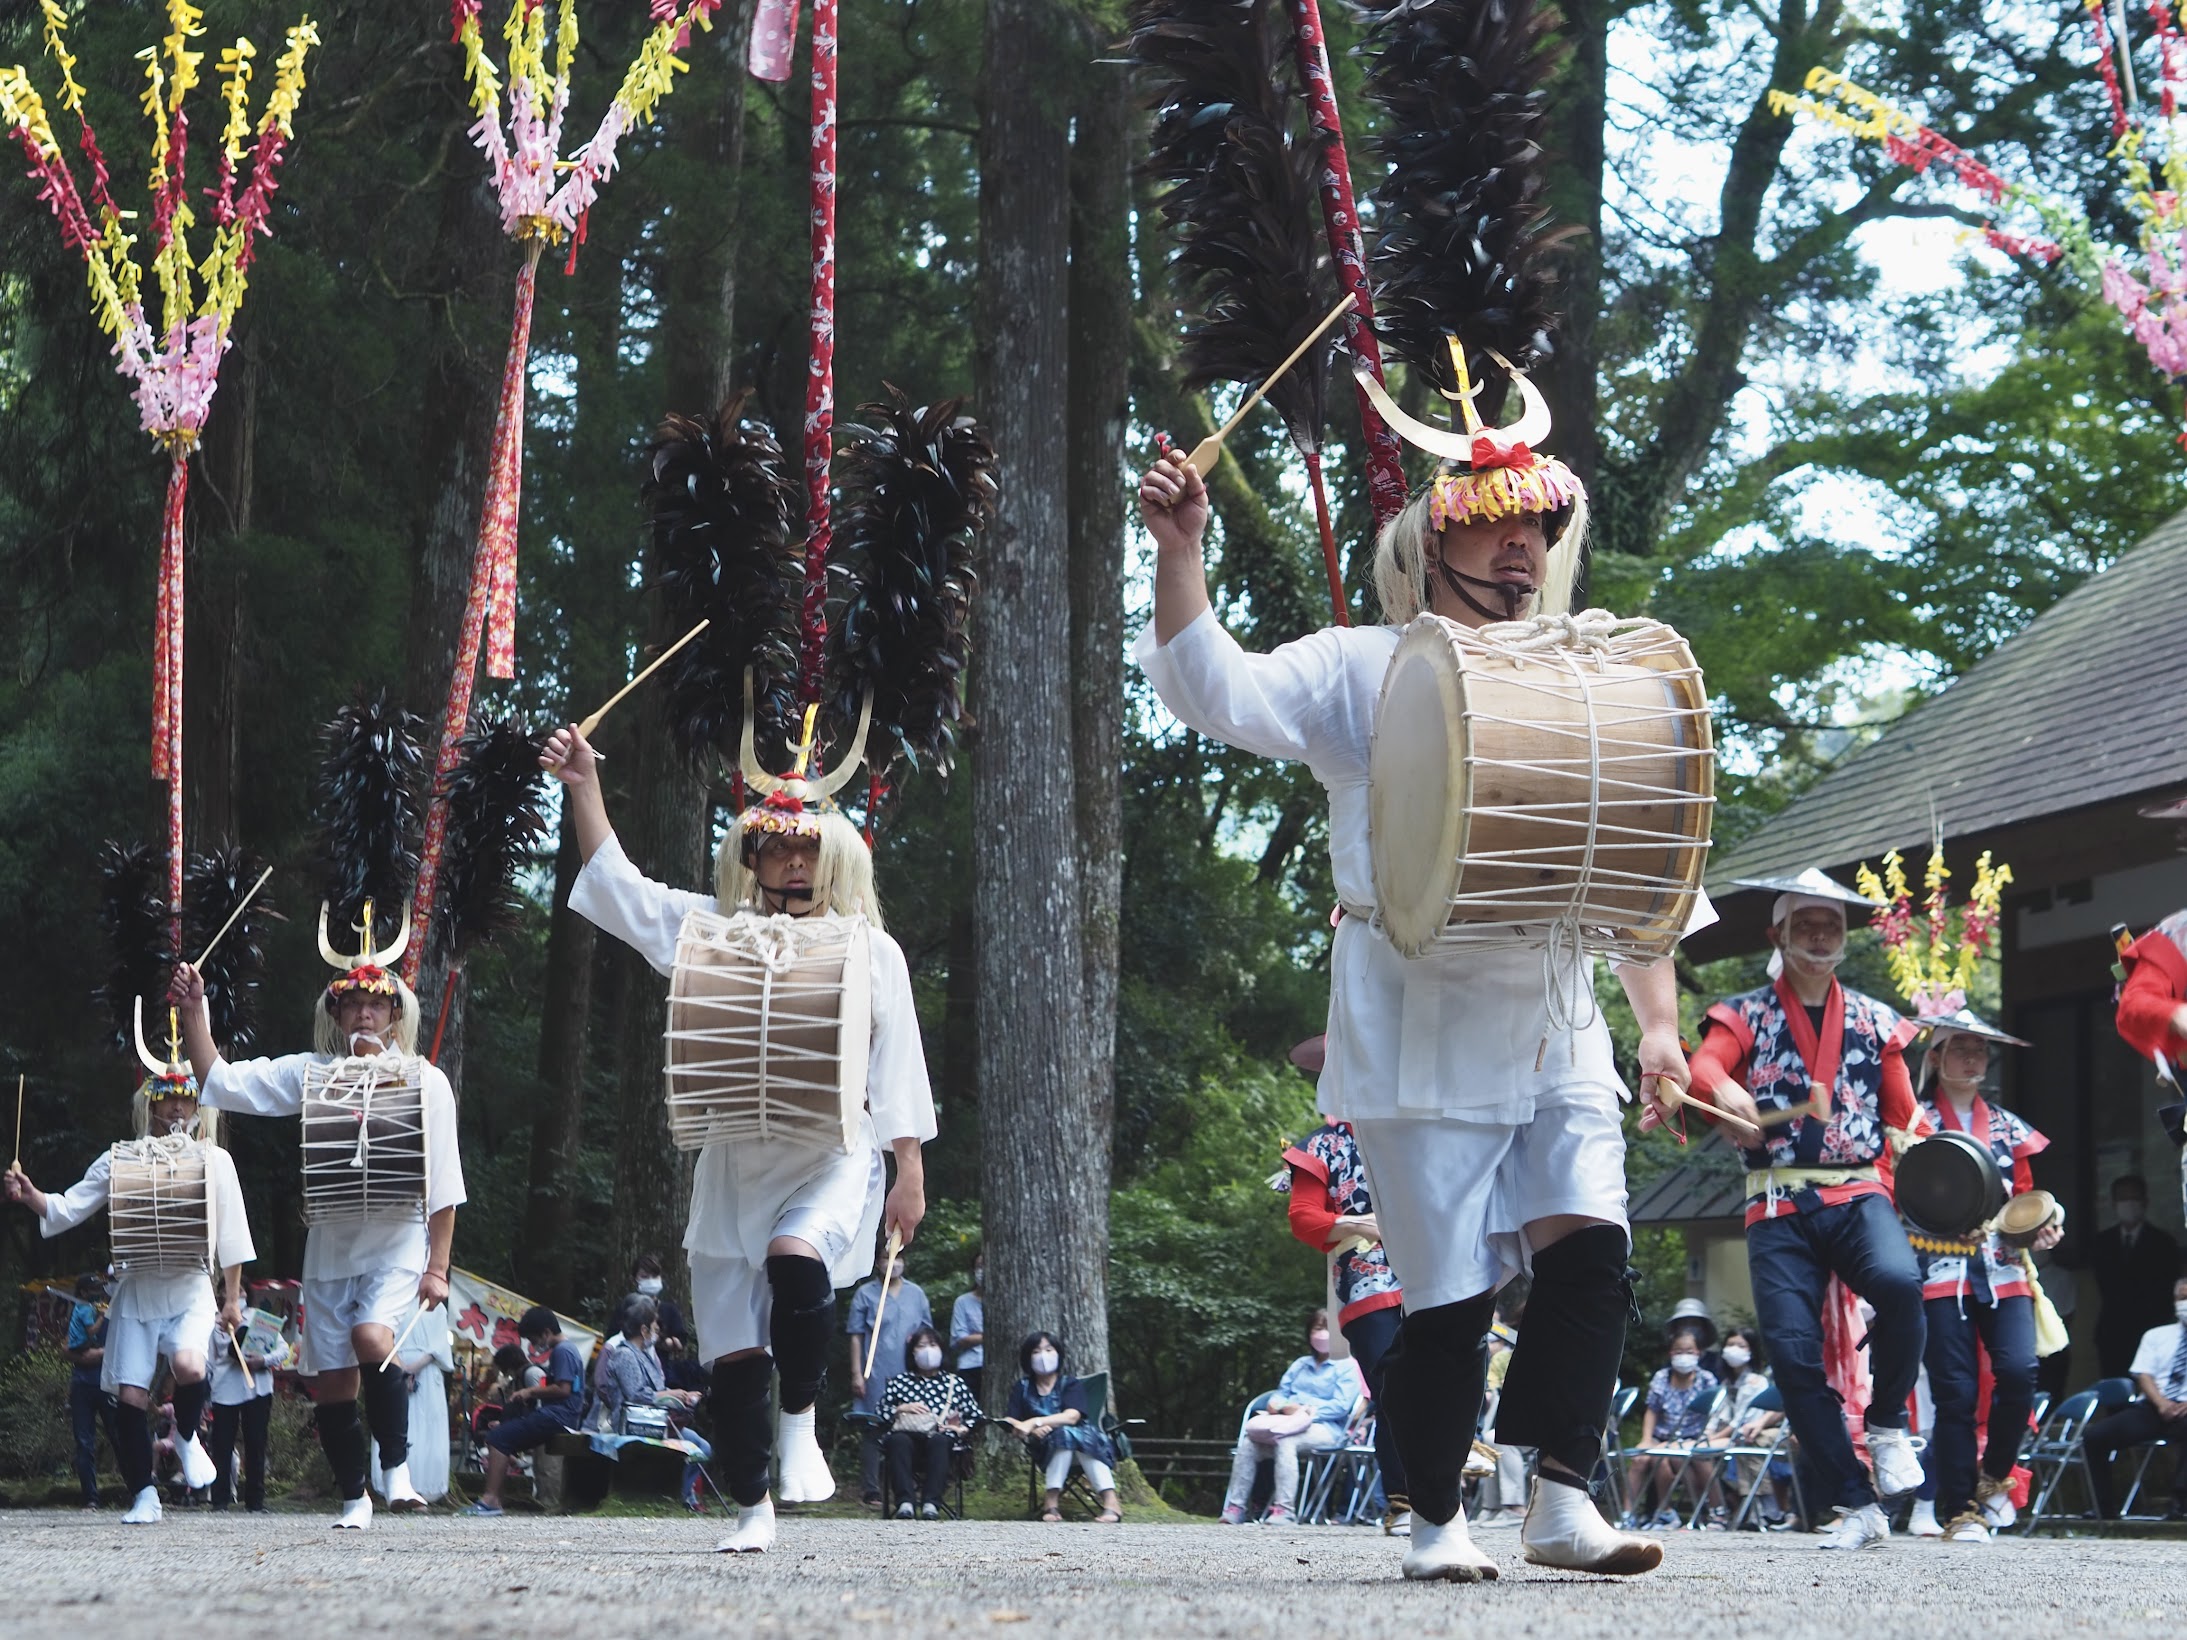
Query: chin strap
column 785, row 902
column 1513, row 593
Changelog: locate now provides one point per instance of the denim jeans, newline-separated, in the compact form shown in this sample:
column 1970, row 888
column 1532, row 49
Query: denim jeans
column 1792, row 1258
column 2007, row 1330
column 89, row 1406
column 1370, row 1336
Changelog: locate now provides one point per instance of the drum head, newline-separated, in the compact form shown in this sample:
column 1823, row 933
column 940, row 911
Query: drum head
column 1949, row 1185
column 1417, row 796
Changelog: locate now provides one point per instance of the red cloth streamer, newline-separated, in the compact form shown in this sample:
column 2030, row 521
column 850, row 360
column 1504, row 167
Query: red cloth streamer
column 1340, row 217
column 489, row 609
column 820, row 367
column 167, row 682
column 1328, row 540
column 2110, row 68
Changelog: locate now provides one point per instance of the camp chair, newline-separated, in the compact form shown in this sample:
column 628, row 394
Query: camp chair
column 1094, row 1387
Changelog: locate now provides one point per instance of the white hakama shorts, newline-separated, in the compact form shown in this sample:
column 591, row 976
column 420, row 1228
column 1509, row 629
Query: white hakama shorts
column 134, row 1344
column 830, row 1200
column 334, row 1304
column 1452, row 1196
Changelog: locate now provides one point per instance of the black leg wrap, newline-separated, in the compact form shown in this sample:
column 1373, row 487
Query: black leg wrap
column 133, row 1447
column 189, row 1403
column 744, row 1436
column 1564, row 1369
column 342, row 1439
column 387, row 1406
column 801, row 1326
column 1431, row 1383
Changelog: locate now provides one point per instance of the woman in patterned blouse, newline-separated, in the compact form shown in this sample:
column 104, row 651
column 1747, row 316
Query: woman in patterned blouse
column 927, row 1409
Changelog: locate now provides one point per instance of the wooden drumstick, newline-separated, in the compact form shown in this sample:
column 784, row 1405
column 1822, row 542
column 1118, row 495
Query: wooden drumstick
column 591, row 723
column 235, row 1341
column 1210, row 449
column 873, row 1340
column 18, row 1121
column 241, row 906
column 401, row 1338
column 1669, row 1090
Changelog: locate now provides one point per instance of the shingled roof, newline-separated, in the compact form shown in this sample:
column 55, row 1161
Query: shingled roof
column 2084, row 705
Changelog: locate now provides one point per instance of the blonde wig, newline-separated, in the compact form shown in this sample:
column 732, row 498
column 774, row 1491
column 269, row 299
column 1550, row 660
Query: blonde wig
column 1401, row 566
column 842, row 881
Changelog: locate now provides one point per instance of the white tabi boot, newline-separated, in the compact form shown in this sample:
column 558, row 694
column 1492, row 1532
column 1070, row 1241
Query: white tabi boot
column 197, row 1468
column 402, row 1497
column 356, row 1515
column 1922, row 1522
column 1898, row 1465
column 1862, row 1528
column 146, row 1511
column 1998, row 1509
column 1446, row 1553
column 1564, row 1528
column 754, row 1533
column 806, row 1477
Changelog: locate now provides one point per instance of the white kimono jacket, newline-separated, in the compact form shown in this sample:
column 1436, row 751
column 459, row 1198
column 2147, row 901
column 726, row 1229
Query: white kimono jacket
column 1453, row 1033
column 738, row 1191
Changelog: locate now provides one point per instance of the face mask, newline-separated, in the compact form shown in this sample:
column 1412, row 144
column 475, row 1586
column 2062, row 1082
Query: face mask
column 649, row 1285
column 1736, row 1356
column 1684, row 1362
column 2180, row 1310
column 1045, row 1362
column 896, row 1270
column 2131, row 1213
column 1319, row 1339
column 979, row 1275
column 926, row 1357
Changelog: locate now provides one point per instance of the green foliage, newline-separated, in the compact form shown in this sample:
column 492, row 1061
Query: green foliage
column 36, row 1443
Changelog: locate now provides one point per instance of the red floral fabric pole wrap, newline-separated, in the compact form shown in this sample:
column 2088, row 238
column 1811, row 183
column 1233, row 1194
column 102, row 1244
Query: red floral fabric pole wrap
column 820, row 367
column 1340, row 216
column 167, row 682
column 489, row 609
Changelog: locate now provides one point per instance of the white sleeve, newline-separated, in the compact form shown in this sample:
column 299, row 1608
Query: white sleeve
column 2153, row 1355
column 617, row 898
column 232, row 1242
column 69, row 1208
column 443, row 1160
column 1268, row 704
column 897, row 1091
column 258, row 1087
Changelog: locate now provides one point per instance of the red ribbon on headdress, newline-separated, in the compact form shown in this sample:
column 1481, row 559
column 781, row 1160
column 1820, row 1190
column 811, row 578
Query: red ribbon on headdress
column 1488, row 453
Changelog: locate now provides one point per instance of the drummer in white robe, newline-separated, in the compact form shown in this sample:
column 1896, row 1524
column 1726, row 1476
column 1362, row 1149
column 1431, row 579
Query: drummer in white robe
column 363, row 1278
column 157, row 1313
column 775, row 1228
column 1490, row 1131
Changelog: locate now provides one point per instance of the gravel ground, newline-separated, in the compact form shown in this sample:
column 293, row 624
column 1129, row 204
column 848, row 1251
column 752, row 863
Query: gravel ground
column 285, row 1573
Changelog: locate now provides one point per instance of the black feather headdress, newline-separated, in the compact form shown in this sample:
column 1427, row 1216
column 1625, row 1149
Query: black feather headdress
column 722, row 501
column 493, row 826
column 213, row 886
column 1466, row 245
column 367, row 810
column 133, row 910
column 918, row 490
column 1231, row 139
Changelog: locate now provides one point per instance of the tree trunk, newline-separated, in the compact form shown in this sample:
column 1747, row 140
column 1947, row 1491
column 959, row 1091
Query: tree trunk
column 1579, row 109
column 1045, row 1213
column 1099, row 402
column 667, row 828
column 473, row 269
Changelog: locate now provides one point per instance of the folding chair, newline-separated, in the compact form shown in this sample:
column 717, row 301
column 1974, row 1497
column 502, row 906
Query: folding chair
column 1608, row 1480
column 1686, row 1457
column 1768, row 1448
column 1318, row 1471
column 2056, row 1448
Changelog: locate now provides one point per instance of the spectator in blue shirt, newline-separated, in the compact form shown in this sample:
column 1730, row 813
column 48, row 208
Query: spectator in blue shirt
column 539, row 1412
column 1310, row 1412
column 968, row 1328
column 89, row 1405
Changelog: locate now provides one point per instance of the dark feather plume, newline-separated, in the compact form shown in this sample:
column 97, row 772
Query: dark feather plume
column 367, row 809
column 1231, row 139
column 493, row 825
column 1466, row 245
column 722, row 500
column 133, row 910
column 213, row 885
column 918, row 492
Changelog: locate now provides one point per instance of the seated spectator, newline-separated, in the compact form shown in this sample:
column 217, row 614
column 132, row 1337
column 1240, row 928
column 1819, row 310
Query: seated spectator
column 1675, row 1420
column 2159, row 1371
column 927, row 1409
column 1735, row 1422
column 513, row 1370
column 538, row 1412
column 1310, row 1412
column 632, row 1377
column 1048, row 1407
